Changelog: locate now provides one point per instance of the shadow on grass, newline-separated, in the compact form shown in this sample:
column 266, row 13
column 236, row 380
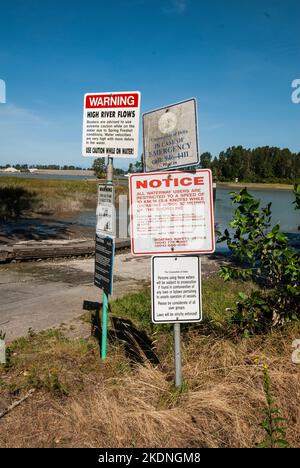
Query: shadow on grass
column 138, row 345
column 15, row 201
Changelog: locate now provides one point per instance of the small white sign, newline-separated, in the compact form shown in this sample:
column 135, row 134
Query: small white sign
column 176, row 289
column 111, row 124
column 172, row 213
column 105, row 213
column 2, row 352
column 170, row 137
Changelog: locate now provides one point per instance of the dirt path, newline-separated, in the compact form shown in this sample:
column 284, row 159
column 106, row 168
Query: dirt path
column 41, row 295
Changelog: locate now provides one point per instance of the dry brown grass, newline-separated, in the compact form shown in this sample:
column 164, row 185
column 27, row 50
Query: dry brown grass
column 220, row 406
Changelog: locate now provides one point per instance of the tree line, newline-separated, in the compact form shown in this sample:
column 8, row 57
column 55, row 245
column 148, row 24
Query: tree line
column 260, row 164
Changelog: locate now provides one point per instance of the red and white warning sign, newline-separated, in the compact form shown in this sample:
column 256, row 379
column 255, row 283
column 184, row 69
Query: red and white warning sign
column 172, row 213
column 111, row 124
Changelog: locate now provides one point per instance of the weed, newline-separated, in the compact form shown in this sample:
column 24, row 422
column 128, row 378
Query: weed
column 275, row 433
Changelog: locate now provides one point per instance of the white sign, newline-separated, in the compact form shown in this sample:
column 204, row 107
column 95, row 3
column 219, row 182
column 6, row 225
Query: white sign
column 171, row 213
column 170, row 137
column 111, row 124
column 105, row 213
column 176, row 289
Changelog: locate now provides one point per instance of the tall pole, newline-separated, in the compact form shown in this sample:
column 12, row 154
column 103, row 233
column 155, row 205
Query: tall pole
column 177, row 353
column 109, row 181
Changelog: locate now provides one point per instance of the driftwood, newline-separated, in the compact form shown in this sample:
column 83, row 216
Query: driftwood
column 17, row 403
column 46, row 249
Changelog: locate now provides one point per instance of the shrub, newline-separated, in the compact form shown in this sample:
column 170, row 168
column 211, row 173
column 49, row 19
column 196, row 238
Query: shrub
column 261, row 252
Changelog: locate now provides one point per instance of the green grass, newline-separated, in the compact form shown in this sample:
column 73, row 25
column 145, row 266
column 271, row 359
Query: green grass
column 136, row 307
column 217, row 296
column 46, row 361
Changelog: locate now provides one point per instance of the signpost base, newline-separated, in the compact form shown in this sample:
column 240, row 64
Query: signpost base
column 177, row 353
column 104, row 326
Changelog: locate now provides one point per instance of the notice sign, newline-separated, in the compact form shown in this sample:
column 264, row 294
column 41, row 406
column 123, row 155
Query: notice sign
column 105, row 213
column 171, row 212
column 104, row 262
column 111, row 124
column 170, row 137
column 176, row 289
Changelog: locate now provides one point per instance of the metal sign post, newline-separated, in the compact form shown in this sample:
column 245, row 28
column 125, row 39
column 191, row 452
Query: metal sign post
column 109, row 180
column 176, row 296
column 177, row 355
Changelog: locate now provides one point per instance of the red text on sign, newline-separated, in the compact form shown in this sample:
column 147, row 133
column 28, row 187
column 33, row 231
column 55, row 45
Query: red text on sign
column 111, row 100
column 169, row 182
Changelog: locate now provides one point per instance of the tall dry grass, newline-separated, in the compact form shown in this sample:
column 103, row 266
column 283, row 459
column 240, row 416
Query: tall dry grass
column 220, row 405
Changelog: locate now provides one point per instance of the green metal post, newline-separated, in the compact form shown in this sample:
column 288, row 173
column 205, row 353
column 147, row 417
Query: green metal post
column 104, row 326
column 109, row 180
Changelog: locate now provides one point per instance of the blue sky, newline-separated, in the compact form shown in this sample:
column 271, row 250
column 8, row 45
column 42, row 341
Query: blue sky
column 237, row 57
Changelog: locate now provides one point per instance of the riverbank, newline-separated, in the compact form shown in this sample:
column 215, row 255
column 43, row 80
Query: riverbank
column 255, row 185
column 53, row 173
column 27, row 197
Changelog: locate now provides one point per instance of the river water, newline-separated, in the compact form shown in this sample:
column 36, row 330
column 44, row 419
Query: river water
column 282, row 208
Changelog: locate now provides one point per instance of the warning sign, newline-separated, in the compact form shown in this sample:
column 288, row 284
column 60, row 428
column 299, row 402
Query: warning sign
column 176, row 289
column 104, row 261
column 170, row 137
column 105, row 213
column 171, row 212
column 111, row 124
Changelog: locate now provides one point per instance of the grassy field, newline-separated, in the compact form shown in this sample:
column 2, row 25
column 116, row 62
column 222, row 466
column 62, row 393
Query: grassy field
column 46, row 196
column 81, row 401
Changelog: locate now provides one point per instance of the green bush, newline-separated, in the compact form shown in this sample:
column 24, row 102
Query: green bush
column 261, row 253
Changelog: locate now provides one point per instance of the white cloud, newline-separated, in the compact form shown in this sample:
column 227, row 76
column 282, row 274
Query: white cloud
column 176, row 6
column 11, row 114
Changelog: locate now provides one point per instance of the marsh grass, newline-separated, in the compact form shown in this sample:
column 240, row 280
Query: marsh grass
column 49, row 196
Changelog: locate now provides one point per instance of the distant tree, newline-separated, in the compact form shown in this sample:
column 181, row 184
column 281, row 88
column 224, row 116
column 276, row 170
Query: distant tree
column 138, row 167
column 118, row 171
column 205, row 160
column 99, row 167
